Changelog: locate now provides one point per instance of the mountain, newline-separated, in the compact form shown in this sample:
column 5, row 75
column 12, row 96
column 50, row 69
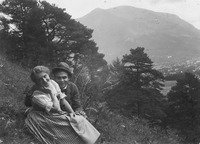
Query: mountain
column 165, row 37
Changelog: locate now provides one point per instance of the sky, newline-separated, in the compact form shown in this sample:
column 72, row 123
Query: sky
column 188, row 10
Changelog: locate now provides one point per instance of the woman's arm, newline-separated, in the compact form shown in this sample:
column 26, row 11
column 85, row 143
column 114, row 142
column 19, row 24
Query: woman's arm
column 44, row 101
column 61, row 96
column 66, row 106
column 56, row 104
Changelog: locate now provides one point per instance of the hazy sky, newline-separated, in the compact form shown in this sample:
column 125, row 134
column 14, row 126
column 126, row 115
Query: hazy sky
column 188, row 10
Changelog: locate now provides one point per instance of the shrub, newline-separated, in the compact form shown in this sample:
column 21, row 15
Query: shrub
column 117, row 129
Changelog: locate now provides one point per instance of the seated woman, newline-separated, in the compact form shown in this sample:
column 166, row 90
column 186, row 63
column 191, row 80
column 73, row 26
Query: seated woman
column 45, row 120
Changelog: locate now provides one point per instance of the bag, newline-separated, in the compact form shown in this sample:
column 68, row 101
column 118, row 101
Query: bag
column 88, row 133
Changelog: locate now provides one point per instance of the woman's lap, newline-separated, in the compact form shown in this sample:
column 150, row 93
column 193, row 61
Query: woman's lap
column 50, row 129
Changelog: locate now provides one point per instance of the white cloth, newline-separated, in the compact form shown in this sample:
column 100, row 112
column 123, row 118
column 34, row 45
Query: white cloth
column 87, row 132
column 44, row 100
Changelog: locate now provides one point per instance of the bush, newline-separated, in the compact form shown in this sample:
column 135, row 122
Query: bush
column 117, row 129
column 13, row 81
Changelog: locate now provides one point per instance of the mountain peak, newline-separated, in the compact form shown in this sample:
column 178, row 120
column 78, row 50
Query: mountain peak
column 118, row 29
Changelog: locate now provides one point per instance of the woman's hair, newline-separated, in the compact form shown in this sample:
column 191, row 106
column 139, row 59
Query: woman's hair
column 38, row 69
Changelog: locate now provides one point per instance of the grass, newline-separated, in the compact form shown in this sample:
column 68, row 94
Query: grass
column 117, row 129
column 167, row 86
column 13, row 81
column 114, row 128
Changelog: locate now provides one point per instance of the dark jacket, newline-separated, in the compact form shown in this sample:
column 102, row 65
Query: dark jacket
column 73, row 96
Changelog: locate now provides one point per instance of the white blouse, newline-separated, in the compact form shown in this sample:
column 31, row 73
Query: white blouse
column 44, row 100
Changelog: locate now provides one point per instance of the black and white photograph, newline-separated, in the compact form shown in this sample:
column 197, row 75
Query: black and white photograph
column 99, row 71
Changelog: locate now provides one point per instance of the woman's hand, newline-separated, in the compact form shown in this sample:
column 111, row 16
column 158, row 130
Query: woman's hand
column 49, row 89
column 66, row 106
column 81, row 113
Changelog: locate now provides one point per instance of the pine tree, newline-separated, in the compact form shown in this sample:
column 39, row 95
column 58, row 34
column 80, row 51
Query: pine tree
column 138, row 88
column 41, row 33
column 139, row 70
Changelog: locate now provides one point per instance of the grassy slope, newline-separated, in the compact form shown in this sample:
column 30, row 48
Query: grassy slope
column 13, row 81
column 167, row 86
column 115, row 129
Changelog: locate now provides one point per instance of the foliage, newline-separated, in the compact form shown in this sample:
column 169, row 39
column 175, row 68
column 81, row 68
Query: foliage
column 139, row 70
column 183, row 110
column 176, row 76
column 117, row 72
column 136, row 86
column 13, row 130
column 41, row 33
column 13, row 81
column 117, row 129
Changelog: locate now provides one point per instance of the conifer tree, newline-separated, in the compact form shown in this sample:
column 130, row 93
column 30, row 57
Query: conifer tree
column 139, row 70
column 138, row 90
column 41, row 33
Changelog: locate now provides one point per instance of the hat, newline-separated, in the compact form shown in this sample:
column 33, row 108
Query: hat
column 62, row 66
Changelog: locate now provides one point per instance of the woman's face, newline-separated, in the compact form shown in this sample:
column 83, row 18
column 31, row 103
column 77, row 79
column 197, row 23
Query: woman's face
column 42, row 79
column 62, row 79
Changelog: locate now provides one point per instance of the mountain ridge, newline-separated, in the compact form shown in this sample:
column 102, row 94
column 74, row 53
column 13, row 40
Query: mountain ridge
column 117, row 30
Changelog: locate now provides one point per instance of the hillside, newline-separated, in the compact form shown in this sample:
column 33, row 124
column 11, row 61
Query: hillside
column 165, row 37
column 114, row 128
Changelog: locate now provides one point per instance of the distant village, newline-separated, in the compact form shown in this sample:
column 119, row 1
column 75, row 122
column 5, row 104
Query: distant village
column 192, row 66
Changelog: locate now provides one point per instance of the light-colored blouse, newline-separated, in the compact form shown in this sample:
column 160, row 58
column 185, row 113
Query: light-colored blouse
column 44, row 100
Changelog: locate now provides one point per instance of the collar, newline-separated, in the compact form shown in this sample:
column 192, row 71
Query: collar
column 63, row 90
